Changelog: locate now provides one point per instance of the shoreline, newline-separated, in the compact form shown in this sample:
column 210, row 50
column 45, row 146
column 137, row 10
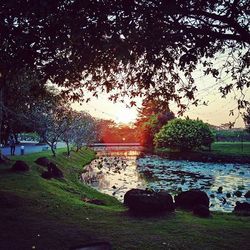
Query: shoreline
column 204, row 157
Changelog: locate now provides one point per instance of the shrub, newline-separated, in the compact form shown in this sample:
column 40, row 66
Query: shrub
column 184, row 135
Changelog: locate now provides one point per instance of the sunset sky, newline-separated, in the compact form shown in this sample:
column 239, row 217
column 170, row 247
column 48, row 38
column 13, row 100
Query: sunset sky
column 216, row 112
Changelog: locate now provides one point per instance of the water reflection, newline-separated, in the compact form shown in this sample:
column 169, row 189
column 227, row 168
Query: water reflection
column 115, row 172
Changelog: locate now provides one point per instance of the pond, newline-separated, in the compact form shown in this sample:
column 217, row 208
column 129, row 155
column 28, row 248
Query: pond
column 115, row 172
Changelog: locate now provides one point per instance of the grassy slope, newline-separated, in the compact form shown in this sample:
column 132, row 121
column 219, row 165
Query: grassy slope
column 50, row 215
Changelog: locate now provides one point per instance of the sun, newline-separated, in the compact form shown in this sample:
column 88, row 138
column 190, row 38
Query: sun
column 126, row 116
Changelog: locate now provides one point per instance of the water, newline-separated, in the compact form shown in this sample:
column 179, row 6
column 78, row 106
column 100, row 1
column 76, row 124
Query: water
column 116, row 172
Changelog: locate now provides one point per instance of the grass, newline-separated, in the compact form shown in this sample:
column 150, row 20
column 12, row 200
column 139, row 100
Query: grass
column 221, row 148
column 231, row 148
column 49, row 214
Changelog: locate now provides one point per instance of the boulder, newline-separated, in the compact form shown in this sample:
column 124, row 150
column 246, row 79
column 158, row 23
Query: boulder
column 238, row 193
column 191, row 199
column 201, row 211
column 247, row 194
column 145, row 201
column 42, row 161
column 53, row 172
column 242, row 208
column 20, row 166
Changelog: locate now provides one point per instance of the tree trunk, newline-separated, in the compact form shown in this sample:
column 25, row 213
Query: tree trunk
column 68, row 150
column 1, row 106
column 16, row 137
column 53, row 149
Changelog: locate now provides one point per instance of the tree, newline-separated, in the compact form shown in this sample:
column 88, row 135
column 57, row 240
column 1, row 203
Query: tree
column 247, row 119
column 83, row 131
column 50, row 123
column 23, row 94
column 137, row 48
column 151, row 117
column 184, row 135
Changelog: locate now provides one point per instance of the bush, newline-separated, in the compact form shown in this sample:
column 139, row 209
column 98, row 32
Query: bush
column 184, row 135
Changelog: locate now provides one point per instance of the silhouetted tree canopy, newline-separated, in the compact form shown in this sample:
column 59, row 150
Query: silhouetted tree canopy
column 126, row 47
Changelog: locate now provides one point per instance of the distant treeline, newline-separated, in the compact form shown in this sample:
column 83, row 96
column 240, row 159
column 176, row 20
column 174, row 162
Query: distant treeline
column 231, row 135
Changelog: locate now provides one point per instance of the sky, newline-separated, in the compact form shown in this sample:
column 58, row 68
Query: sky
column 216, row 112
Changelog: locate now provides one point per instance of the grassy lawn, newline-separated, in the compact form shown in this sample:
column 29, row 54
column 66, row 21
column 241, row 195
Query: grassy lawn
column 49, row 214
column 232, row 148
column 221, row 148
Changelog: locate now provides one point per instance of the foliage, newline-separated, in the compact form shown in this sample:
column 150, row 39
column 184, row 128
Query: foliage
column 230, row 135
column 247, row 119
column 83, row 130
column 184, row 135
column 151, row 117
column 24, row 92
column 154, row 45
column 110, row 132
column 50, row 123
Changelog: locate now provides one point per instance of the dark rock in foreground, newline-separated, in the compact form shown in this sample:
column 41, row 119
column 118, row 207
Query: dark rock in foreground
column 149, row 202
column 242, row 208
column 191, row 199
column 20, row 166
column 53, row 172
column 201, row 211
column 42, row 161
column 247, row 194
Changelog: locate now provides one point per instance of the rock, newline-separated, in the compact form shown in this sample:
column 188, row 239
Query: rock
column 238, row 193
column 145, row 201
column 20, row 166
column 43, row 161
column 201, row 211
column 53, row 172
column 242, row 208
column 247, row 194
column 191, row 199
column 220, row 190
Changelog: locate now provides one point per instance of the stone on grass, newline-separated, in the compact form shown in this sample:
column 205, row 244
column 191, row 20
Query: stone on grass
column 20, row 166
column 43, row 161
column 201, row 211
column 53, row 172
column 191, row 199
column 148, row 202
column 242, row 208
column 247, row 194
